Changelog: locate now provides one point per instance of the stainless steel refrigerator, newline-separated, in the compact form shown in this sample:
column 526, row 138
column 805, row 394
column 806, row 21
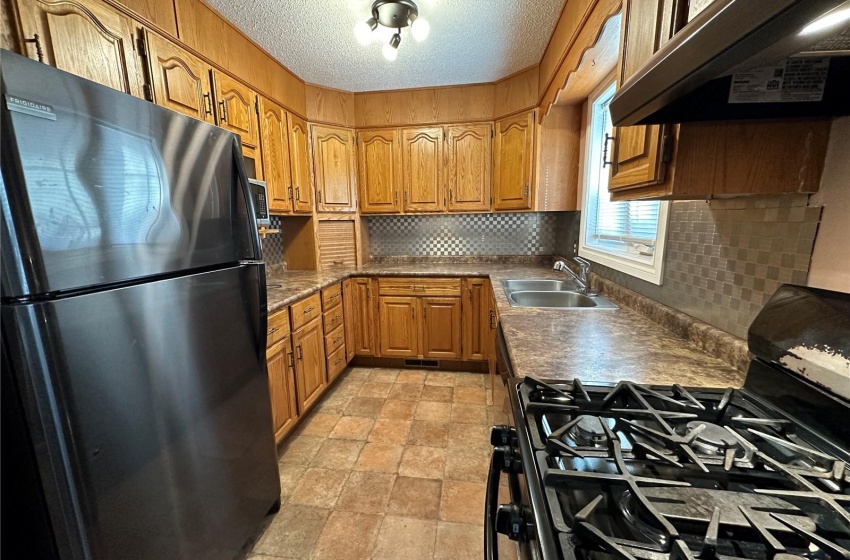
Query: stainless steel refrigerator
column 135, row 405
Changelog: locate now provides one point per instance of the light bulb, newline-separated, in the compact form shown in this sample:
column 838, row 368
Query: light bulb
column 363, row 31
column 390, row 52
column 420, row 29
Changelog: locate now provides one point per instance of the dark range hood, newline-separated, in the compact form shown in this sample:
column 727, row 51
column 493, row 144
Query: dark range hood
column 746, row 59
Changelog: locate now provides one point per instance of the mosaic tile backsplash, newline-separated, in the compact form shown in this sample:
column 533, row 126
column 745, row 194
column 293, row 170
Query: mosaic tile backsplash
column 466, row 234
column 273, row 245
column 724, row 259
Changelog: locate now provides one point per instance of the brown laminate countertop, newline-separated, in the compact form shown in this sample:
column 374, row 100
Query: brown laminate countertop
column 552, row 344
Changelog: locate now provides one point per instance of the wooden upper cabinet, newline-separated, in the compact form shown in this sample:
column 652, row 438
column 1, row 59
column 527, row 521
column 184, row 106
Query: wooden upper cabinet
column 279, row 362
column 178, row 80
column 334, row 169
column 275, row 152
column 469, row 163
column 422, row 169
column 308, row 344
column 365, row 342
column 637, row 150
column 514, row 162
column 441, row 327
column 299, row 160
column 379, row 168
column 476, row 318
column 398, row 325
column 237, row 108
column 85, row 38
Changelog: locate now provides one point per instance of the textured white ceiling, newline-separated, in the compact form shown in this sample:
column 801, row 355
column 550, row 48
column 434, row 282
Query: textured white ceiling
column 471, row 41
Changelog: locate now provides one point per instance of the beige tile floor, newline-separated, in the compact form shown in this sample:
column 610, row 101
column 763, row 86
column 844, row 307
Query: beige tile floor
column 392, row 464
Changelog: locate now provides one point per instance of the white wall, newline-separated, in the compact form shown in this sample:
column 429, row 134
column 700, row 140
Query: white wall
column 830, row 268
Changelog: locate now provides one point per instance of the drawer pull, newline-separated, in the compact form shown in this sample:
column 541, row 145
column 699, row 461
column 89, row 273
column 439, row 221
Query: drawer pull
column 273, row 330
column 309, row 310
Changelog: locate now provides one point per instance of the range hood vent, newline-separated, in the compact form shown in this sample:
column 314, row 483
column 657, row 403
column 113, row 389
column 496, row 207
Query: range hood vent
column 746, row 59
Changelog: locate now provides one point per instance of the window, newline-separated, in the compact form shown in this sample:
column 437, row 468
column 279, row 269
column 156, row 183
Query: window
column 625, row 236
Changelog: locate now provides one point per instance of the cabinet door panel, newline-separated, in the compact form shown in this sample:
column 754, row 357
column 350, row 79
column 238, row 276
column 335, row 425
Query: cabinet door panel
column 637, row 157
column 179, row 80
column 85, row 38
column 237, row 108
column 349, row 302
column 299, row 160
column 333, row 167
column 469, row 163
column 279, row 361
column 514, row 163
column 308, row 343
column 441, row 327
column 275, row 150
column 422, row 168
column 398, row 326
column 365, row 326
column 476, row 318
column 379, row 168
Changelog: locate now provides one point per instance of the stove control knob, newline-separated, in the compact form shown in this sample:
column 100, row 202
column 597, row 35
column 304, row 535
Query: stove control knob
column 508, row 459
column 503, row 435
column 510, row 521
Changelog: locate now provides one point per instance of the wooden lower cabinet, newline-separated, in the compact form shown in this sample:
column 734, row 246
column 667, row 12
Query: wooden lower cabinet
column 308, row 345
column 279, row 365
column 399, row 334
column 476, row 318
column 365, row 330
column 349, row 303
column 441, row 327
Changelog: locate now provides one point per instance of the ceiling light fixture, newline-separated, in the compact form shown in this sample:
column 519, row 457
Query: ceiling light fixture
column 393, row 14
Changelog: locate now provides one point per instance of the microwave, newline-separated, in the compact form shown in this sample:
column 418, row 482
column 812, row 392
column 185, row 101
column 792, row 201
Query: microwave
column 260, row 196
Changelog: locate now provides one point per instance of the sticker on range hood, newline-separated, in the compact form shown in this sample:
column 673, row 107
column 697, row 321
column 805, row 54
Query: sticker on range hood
column 796, row 80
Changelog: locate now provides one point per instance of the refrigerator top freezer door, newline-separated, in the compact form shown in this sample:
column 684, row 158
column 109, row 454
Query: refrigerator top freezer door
column 102, row 188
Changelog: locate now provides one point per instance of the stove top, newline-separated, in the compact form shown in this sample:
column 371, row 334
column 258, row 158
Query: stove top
column 668, row 473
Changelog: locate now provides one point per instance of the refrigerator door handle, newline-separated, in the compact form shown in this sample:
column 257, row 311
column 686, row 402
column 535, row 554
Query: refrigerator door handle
column 253, row 231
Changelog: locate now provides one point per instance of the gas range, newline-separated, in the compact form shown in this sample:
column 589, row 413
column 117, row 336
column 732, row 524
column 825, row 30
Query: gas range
column 632, row 471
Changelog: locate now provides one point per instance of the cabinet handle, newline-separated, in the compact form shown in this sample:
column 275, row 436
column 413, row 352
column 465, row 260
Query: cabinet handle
column 413, row 313
column 37, row 41
column 396, row 198
column 425, row 313
column 291, row 359
column 298, row 194
column 451, row 196
column 605, row 161
column 273, row 330
column 300, row 352
column 223, row 105
column 290, row 193
column 208, row 103
column 309, row 310
column 526, row 191
column 405, row 197
column 319, row 196
column 470, row 294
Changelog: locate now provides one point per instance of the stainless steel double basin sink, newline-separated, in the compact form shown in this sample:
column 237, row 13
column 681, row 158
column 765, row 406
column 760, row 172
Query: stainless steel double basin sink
column 552, row 294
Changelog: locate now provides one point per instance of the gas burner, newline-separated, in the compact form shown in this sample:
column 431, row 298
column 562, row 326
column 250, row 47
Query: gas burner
column 711, row 439
column 588, row 430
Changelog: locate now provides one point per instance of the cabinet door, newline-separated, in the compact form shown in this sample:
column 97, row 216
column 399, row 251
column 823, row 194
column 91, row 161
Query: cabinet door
column 333, row 168
column 237, row 108
column 275, row 150
column 422, row 169
column 308, row 343
column 476, row 318
column 398, row 327
column 441, row 327
column 349, row 302
column 493, row 325
column 365, row 326
column 379, row 168
column 637, row 157
column 469, row 161
column 299, row 161
column 514, row 161
column 279, row 362
column 178, row 80
column 83, row 37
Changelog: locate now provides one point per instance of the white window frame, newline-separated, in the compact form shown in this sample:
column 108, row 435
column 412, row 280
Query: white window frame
column 592, row 154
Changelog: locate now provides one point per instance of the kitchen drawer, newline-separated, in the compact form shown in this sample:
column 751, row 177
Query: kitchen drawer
column 333, row 319
column 336, row 363
column 305, row 311
column 278, row 326
column 334, row 340
column 331, row 296
column 419, row 286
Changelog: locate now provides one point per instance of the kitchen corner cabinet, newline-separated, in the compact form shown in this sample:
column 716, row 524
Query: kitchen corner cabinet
column 514, row 162
column 274, row 141
column 422, row 169
column 299, row 162
column 280, row 367
column 334, row 168
column 349, row 302
column 308, row 344
column 365, row 333
column 476, row 321
column 178, row 80
column 398, row 326
column 469, row 163
column 441, row 327
column 83, row 37
column 379, row 169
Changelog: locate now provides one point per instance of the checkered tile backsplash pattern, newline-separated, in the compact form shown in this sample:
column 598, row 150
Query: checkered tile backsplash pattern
column 724, row 259
column 273, row 244
column 447, row 235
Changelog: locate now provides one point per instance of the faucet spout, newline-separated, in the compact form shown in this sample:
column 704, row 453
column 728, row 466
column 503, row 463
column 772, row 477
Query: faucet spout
column 580, row 279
